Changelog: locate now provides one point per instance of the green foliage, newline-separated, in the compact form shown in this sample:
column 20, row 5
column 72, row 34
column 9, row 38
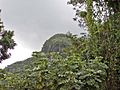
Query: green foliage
column 60, row 74
column 6, row 42
column 103, row 26
column 90, row 63
column 83, row 14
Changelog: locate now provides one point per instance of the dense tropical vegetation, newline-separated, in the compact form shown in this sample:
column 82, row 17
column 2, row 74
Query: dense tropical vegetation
column 91, row 62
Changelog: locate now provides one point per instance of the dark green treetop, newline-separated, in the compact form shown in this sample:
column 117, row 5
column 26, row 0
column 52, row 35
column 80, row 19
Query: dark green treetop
column 6, row 42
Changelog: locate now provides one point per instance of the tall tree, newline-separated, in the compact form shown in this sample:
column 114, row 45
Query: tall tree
column 6, row 42
column 102, row 20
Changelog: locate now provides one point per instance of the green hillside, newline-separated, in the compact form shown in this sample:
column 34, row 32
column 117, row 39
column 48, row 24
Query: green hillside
column 55, row 43
column 19, row 66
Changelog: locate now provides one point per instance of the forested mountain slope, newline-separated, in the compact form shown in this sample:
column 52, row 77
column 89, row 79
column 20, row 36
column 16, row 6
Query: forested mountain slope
column 56, row 43
column 19, row 66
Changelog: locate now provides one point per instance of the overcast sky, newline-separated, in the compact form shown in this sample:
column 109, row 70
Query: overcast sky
column 34, row 21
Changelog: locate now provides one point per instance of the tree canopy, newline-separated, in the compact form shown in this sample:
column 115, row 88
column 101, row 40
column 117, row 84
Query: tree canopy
column 101, row 19
column 6, row 42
